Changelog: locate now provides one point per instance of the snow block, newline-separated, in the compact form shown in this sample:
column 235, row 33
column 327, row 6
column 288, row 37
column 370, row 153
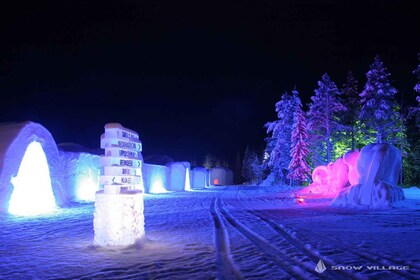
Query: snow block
column 199, row 178
column 155, row 178
column 179, row 173
column 378, row 168
column 118, row 218
column 81, row 175
column 221, row 176
column 14, row 140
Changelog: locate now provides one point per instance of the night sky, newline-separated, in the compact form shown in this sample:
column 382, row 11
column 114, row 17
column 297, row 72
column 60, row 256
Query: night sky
column 192, row 79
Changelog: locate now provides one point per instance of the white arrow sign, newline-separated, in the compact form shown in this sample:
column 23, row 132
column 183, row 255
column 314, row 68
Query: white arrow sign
column 132, row 144
column 117, row 152
column 120, row 161
column 121, row 171
column 110, row 180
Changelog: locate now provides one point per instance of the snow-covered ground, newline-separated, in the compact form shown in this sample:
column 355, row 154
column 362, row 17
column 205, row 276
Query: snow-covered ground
column 237, row 232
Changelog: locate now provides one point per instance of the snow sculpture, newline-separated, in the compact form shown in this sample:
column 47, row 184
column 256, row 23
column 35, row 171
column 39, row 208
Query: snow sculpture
column 179, row 176
column 31, row 145
column 328, row 180
column 155, row 178
column 351, row 158
column 199, row 178
column 119, row 217
column 379, row 168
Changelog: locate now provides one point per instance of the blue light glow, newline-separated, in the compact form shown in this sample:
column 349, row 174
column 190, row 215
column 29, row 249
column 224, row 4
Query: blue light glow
column 87, row 186
column 32, row 193
column 157, row 183
column 187, row 180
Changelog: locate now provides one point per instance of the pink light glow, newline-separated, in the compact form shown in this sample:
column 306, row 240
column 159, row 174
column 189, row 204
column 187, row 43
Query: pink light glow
column 329, row 180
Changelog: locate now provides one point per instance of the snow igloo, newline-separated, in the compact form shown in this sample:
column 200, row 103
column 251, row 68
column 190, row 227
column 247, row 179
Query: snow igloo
column 31, row 180
column 179, row 176
column 220, row 176
column 155, row 178
column 199, row 178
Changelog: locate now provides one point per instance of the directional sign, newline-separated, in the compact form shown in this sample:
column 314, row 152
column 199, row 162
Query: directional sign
column 132, row 144
column 112, row 180
column 120, row 161
column 121, row 171
column 117, row 152
column 117, row 130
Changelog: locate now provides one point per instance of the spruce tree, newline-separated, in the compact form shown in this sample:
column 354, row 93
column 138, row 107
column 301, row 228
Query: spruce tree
column 323, row 120
column 379, row 113
column 278, row 145
column 351, row 99
column 299, row 170
column 415, row 110
column 248, row 165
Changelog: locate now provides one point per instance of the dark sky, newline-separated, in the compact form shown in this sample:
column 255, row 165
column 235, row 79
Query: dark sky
column 193, row 78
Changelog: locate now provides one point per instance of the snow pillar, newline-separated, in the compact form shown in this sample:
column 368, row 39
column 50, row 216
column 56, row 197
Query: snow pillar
column 119, row 207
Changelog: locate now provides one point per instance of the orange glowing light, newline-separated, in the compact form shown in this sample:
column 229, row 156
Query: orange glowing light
column 216, row 181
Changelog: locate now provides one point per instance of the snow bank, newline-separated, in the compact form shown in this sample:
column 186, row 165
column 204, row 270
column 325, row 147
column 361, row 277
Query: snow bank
column 199, row 178
column 81, row 174
column 179, row 176
column 155, row 178
column 412, row 193
column 378, row 168
column 221, row 176
column 14, row 140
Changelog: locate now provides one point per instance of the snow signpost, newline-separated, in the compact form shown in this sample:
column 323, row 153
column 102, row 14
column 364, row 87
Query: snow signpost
column 119, row 216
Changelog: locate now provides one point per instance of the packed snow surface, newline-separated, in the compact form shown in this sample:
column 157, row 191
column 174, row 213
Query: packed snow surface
column 234, row 232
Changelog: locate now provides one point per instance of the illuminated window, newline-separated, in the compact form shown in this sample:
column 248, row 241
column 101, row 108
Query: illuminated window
column 216, row 181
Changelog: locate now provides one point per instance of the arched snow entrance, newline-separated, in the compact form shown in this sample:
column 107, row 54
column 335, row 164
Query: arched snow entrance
column 25, row 147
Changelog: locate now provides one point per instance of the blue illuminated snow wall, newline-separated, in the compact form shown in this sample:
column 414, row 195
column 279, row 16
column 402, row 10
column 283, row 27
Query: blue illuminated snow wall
column 199, row 178
column 81, row 175
column 155, row 178
column 179, row 176
column 30, row 170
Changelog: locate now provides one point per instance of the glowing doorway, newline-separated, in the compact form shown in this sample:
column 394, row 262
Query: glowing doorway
column 187, row 186
column 32, row 192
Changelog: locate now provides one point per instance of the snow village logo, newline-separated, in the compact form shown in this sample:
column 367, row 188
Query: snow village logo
column 320, row 267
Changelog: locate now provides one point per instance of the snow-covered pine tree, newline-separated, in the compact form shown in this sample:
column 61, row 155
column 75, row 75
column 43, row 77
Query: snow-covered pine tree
column 351, row 99
column 323, row 120
column 278, row 145
column 416, row 72
column 299, row 170
column 379, row 113
column 247, row 164
column 415, row 110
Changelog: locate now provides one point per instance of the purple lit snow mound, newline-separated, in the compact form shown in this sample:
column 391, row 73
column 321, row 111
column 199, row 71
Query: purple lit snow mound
column 379, row 168
column 14, row 140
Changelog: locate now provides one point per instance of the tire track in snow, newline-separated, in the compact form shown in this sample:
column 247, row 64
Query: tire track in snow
column 306, row 249
column 227, row 268
column 303, row 248
column 281, row 259
column 377, row 257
